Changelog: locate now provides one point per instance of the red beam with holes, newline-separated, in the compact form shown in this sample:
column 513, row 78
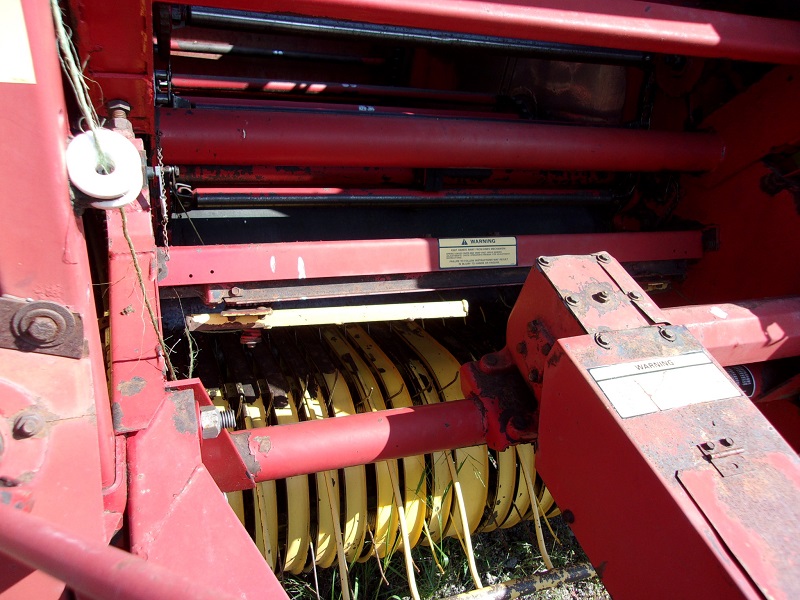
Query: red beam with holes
column 198, row 265
column 250, row 137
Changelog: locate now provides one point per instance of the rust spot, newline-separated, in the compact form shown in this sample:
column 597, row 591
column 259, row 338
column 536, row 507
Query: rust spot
column 242, row 443
column 117, row 415
column 185, row 417
column 264, row 443
column 132, row 386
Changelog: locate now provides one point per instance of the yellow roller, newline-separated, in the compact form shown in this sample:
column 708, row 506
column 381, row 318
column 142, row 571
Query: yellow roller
column 504, row 490
column 472, row 464
column 385, row 530
column 396, row 396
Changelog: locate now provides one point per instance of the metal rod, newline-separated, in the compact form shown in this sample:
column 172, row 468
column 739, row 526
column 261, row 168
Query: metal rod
column 210, row 198
column 745, row 332
column 308, row 88
column 521, row 588
column 618, row 24
column 89, row 567
column 308, row 138
column 233, row 19
column 322, row 445
column 226, row 48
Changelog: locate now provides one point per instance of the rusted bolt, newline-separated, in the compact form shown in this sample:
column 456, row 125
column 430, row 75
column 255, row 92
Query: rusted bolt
column 634, row 296
column 667, row 335
column 603, row 257
column 28, row 425
column 727, row 442
column 118, row 109
column 544, row 261
column 236, row 291
column 533, row 375
column 602, row 296
column 602, row 340
column 42, row 329
column 571, row 300
column 709, row 445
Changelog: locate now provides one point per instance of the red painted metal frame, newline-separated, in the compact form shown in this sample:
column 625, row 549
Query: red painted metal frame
column 230, row 137
column 88, row 566
column 197, row 265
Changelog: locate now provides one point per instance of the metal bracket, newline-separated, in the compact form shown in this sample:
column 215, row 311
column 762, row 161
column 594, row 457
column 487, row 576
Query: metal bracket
column 40, row 326
column 725, row 455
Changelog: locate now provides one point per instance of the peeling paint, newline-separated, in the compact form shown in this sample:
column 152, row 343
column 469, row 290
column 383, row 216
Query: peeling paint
column 132, row 386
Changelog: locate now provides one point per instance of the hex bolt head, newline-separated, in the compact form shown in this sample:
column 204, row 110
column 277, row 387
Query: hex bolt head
column 210, row 422
column 118, row 109
column 602, row 296
column 236, row 291
column 544, row 261
column 709, row 445
column 667, row 335
column 727, row 442
column 571, row 300
column 28, row 425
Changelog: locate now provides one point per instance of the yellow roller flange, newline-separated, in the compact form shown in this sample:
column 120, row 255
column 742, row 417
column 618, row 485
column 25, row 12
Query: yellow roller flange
column 396, row 395
column 385, row 531
column 504, row 490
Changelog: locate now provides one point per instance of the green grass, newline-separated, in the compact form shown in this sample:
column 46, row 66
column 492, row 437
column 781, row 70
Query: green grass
column 500, row 556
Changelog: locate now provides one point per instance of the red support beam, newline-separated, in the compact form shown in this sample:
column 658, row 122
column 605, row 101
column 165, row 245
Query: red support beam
column 229, row 137
column 745, row 332
column 199, row 265
column 622, row 24
column 89, row 567
column 329, row 444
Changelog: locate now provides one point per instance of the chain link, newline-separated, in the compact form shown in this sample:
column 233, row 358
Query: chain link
column 162, row 195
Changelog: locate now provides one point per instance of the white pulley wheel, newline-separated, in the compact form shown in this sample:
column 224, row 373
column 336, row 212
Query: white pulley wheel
column 83, row 167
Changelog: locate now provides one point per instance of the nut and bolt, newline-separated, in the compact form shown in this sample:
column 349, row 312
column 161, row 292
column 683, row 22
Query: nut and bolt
column 118, row 109
column 28, row 425
column 42, row 329
column 568, row 516
column 236, row 291
column 709, row 445
column 634, row 296
column 571, row 300
column 603, row 257
column 544, row 261
column 667, row 335
column 602, row 296
column 602, row 340
column 214, row 420
column 727, row 442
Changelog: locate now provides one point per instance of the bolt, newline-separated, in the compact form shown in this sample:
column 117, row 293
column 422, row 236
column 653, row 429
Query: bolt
column 602, row 340
column 603, row 257
column 602, row 296
column 544, row 261
column 42, row 329
column 571, row 300
column 28, row 425
column 236, row 291
column 210, row 422
column 533, row 375
column 568, row 516
column 727, row 442
column 667, row 335
column 709, row 445
column 634, row 296
column 118, row 109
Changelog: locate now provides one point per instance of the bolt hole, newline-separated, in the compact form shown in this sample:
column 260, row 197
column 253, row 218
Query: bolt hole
column 101, row 170
column 190, row 275
column 211, row 271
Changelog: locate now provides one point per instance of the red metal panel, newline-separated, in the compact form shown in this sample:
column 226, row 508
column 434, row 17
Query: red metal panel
column 230, row 137
column 197, row 265
column 89, row 567
column 745, row 332
column 620, row 24
column 177, row 516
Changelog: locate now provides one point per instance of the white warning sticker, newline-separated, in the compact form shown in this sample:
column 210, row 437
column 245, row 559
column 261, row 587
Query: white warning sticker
column 660, row 383
column 466, row 253
column 16, row 64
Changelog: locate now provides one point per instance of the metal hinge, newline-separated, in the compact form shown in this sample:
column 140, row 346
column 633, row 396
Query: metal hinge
column 725, row 455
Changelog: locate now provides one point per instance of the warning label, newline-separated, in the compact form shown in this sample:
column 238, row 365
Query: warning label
column 469, row 253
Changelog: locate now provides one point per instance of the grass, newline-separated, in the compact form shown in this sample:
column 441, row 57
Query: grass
column 500, row 555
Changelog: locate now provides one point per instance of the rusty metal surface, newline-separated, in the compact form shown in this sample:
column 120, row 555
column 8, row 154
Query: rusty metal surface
column 41, row 326
column 757, row 515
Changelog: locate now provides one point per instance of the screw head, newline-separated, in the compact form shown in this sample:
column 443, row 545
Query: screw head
column 634, row 296
column 544, row 261
column 602, row 340
column 28, row 425
column 602, row 296
column 603, row 257
column 667, row 335
column 571, row 300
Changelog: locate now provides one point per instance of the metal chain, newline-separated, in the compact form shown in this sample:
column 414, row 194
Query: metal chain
column 162, row 198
